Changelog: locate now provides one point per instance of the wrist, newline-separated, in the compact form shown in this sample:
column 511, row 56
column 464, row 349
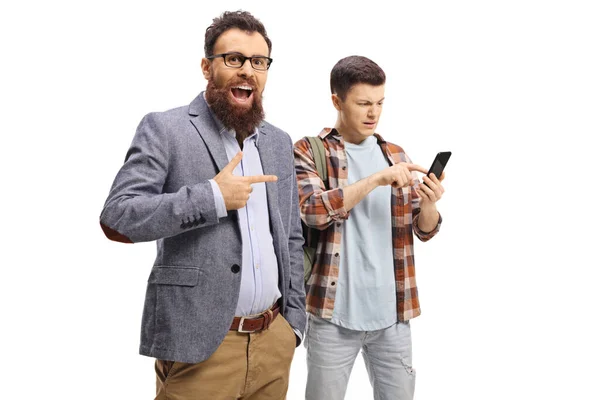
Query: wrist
column 374, row 181
column 428, row 207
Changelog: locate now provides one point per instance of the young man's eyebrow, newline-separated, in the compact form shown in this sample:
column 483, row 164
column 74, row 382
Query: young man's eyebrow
column 369, row 101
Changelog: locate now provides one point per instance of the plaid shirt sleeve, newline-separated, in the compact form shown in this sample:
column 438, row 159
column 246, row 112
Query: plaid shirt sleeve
column 319, row 208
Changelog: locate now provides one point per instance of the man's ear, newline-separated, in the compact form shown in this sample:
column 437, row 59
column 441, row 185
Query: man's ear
column 336, row 102
column 205, row 65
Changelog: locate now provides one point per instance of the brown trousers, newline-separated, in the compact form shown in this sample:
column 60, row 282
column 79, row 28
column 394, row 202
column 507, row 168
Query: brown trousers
column 248, row 366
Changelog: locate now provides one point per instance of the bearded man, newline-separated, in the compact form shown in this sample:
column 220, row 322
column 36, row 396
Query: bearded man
column 225, row 305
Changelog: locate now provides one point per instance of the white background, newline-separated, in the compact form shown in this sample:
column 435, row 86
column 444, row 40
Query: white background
column 512, row 88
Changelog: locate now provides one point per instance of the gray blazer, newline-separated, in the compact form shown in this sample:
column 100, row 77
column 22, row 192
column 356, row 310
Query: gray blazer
column 162, row 193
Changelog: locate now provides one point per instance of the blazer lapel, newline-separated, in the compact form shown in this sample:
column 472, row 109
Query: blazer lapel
column 268, row 160
column 203, row 120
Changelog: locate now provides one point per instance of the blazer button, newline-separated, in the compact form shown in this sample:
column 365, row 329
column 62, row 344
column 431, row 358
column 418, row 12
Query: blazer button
column 235, row 268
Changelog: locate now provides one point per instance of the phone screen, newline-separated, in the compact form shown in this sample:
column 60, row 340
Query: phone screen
column 441, row 159
column 437, row 168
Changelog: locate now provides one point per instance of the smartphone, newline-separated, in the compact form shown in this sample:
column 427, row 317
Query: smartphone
column 439, row 163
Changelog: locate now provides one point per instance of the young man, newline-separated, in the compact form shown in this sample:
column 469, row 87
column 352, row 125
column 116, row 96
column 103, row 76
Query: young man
column 225, row 302
column 361, row 292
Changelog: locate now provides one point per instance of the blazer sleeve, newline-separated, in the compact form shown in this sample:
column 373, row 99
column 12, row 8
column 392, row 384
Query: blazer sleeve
column 136, row 209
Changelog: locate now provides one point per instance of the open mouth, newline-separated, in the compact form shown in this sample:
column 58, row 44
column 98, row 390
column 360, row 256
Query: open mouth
column 242, row 93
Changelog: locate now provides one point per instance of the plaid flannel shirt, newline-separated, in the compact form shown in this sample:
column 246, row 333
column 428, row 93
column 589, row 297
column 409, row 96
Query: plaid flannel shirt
column 324, row 210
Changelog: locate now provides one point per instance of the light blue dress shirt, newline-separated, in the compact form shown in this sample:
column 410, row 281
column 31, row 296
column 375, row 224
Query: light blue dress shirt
column 259, row 288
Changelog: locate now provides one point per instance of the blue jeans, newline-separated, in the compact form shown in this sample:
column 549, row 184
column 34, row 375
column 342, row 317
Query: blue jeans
column 331, row 351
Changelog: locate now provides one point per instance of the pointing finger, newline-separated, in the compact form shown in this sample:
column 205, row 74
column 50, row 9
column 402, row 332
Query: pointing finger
column 234, row 162
column 260, row 178
column 415, row 167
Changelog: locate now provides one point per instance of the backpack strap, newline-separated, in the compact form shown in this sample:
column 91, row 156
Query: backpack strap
column 310, row 246
column 318, row 150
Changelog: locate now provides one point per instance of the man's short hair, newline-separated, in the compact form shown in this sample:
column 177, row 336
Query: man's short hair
column 242, row 20
column 353, row 70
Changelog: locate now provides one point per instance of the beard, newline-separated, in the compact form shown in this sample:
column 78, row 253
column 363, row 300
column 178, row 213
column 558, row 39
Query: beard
column 240, row 119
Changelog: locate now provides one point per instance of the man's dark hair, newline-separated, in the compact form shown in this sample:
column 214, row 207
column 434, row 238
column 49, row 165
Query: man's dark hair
column 352, row 70
column 242, row 20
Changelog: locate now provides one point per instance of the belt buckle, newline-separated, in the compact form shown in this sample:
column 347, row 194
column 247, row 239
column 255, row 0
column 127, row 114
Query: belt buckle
column 241, row 326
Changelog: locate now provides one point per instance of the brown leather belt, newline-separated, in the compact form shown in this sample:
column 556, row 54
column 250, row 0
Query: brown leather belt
column 255, row 323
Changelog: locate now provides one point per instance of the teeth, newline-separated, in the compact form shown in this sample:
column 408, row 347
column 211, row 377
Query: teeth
column 243, row 87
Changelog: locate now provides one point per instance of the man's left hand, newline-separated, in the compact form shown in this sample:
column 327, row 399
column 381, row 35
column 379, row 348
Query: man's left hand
column 431, row 190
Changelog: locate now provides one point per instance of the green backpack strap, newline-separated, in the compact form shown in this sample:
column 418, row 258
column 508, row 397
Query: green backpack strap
column 310, row 247
column 318, row 150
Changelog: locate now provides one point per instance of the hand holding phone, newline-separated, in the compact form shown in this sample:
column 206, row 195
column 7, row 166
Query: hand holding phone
column 439, row 163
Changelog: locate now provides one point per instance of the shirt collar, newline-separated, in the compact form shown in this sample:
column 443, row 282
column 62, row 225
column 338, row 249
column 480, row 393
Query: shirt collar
column 335, row 134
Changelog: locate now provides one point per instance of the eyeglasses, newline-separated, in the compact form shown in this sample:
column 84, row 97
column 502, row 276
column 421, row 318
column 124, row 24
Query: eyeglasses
column 237, row 60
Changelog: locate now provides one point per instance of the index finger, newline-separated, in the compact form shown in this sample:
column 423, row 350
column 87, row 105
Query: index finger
column 415, row 167
column 233, row 163
column 260, row 178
